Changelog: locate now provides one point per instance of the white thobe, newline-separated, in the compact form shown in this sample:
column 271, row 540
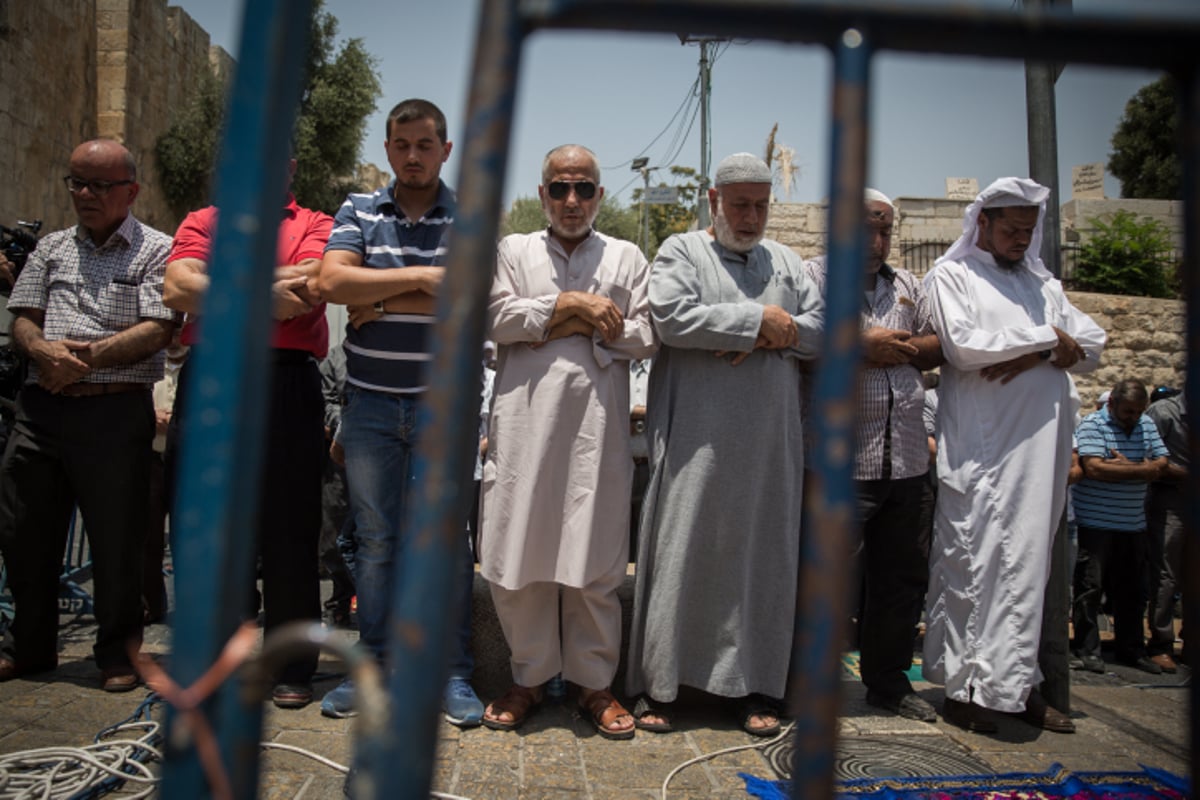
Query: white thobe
column 556, row 483
column 1003, row 455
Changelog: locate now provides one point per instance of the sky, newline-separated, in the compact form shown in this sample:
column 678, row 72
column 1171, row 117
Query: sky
column 621, row 94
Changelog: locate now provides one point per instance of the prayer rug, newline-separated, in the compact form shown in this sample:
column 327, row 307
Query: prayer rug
column 851, row 670
column 1056, row 783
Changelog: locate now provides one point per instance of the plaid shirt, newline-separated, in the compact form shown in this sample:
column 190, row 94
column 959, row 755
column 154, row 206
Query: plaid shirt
column 91, row 292
column 891, row 400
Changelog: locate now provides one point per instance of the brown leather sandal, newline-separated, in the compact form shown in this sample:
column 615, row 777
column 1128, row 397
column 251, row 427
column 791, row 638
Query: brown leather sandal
column 603, row 710
column 518, row 701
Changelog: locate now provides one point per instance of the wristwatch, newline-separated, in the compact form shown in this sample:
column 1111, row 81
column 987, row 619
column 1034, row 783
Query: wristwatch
column 1045, row 354
column 379, row 309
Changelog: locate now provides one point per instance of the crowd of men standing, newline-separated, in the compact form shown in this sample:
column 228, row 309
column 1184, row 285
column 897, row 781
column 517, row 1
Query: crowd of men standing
column 733, row 322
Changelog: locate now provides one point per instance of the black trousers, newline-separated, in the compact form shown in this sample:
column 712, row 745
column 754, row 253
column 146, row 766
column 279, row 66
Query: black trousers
column 93, row 452
column 289, row 514
column 1112, row 561
column 894, row 563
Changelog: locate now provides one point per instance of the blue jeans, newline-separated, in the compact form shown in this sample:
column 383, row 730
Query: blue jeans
column 379, row 433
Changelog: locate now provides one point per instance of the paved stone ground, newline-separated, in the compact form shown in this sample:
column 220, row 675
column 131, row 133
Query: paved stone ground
column 1124, row 718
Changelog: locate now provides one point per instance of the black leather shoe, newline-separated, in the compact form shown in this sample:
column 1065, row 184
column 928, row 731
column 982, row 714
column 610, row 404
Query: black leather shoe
column 1041, row 714
column 968, row 716
column 909, row 705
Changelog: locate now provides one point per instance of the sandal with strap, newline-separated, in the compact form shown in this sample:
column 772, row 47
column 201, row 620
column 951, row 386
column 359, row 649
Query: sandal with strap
column 645, row 707
column 757, row 705
column 518, row 701
column 603, row 710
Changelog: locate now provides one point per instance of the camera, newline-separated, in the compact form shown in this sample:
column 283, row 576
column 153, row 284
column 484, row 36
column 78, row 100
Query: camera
column 17, row 243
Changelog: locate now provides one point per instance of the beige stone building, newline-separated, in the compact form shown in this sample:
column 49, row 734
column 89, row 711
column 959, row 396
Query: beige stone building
column 72, row 70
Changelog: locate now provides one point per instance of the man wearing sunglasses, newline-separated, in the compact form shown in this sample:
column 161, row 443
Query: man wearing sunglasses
column 568, row 311
column 90, row 317
column 719, row 546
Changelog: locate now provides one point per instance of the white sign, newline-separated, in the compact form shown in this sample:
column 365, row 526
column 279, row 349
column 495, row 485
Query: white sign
column 961, row 188
column 662, row 195
column 1087, row 181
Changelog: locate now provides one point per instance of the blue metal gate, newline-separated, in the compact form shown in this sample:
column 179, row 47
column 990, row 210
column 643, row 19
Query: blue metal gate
column 216, row 505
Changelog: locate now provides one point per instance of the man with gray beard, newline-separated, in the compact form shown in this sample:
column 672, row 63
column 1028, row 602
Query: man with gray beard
column 720, row 541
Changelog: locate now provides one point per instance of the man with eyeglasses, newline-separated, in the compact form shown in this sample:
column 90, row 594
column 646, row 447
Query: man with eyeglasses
column 384, row 261
column 568, row 311
column 719, row 546
column 89, row 315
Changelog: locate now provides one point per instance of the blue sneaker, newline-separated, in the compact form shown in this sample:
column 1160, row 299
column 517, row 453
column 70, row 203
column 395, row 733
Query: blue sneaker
column 460, row 704
column 339, row 701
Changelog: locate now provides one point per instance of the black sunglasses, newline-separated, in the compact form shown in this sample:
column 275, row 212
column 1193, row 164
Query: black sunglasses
column 97, row 188
column 584, row 190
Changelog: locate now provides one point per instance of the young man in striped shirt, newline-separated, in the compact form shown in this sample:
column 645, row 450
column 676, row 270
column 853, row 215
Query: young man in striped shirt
column 384, row 262
column 1121, row 453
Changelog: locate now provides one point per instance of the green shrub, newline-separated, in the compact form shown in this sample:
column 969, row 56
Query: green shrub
column 1128, row 256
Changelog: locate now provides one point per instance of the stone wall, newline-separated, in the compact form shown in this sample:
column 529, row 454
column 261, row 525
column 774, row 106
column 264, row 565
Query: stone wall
column 1077, row 216
column 47, row 103
column 1145, row 341
column 71, row 70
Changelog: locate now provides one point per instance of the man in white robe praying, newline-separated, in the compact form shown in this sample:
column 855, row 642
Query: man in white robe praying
column 1005, row 417
column 568, row 311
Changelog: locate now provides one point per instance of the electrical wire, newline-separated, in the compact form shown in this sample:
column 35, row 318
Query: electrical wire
column 707, row 756
column 687, row 99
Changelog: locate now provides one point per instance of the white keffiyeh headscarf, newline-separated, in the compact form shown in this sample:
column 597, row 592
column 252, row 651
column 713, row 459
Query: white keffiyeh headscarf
column 1004, row 193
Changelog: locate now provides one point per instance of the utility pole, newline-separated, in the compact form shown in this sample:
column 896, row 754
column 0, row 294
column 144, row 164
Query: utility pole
column 639, row 165
column 702, row 216
column 702, row 219
column 1042, row 135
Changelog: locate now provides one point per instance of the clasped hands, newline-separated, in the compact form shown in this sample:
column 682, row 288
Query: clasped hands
column 581, row 314
column 1064, row 355
column 777, row 331
column 61, row 363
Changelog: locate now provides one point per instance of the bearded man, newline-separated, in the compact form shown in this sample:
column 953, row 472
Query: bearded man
column 568, row 312
column 1005, row 411
column 720, row 543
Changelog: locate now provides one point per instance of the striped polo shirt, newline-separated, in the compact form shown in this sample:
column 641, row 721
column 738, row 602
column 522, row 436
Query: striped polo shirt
column 1114, row 505
column 390, row 354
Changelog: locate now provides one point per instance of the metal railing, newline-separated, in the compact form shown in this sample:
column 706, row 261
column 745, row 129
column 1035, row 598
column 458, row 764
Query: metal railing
column 217, row 493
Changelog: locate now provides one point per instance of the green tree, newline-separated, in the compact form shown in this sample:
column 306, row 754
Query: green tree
column 1145, row 155
column 187, row 151
column 1127, row 256
column 340, row 92
column 669, row 218
column 525, row 216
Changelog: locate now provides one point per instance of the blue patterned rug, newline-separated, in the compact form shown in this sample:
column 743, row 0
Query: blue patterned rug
column 1056, row 783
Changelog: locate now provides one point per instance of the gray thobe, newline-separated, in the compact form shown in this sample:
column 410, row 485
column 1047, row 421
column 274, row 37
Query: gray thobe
column 555, row 501
column 719, row 548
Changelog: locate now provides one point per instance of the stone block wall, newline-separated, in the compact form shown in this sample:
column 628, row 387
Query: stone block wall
column 1146, row 340
column 47, row 104
column 1077, row 216
column 72, row 70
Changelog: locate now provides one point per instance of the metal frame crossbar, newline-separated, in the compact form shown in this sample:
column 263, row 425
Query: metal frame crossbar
column 217, row 493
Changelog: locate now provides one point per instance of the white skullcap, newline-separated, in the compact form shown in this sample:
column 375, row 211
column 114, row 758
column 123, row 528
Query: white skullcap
column 742, row 168
column 876, row 196
column 1104, row 398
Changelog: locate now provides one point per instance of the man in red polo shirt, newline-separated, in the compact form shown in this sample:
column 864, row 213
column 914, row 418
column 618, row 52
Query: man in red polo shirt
column 289, row 516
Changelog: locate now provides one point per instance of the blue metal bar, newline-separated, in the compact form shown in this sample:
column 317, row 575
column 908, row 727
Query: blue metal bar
column 220, row 456
column 829, row 502
column 1053, row 34
column 402, row 759
column 1189, row 128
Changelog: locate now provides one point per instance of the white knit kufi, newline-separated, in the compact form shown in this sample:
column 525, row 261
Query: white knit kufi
column 876, row 196
column 742, row 168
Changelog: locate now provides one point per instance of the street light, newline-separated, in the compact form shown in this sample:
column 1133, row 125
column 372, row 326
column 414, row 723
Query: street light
column 640, row 165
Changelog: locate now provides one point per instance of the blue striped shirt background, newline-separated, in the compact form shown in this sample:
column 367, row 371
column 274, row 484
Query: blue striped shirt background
column 1114, row 505
column 389, row 354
